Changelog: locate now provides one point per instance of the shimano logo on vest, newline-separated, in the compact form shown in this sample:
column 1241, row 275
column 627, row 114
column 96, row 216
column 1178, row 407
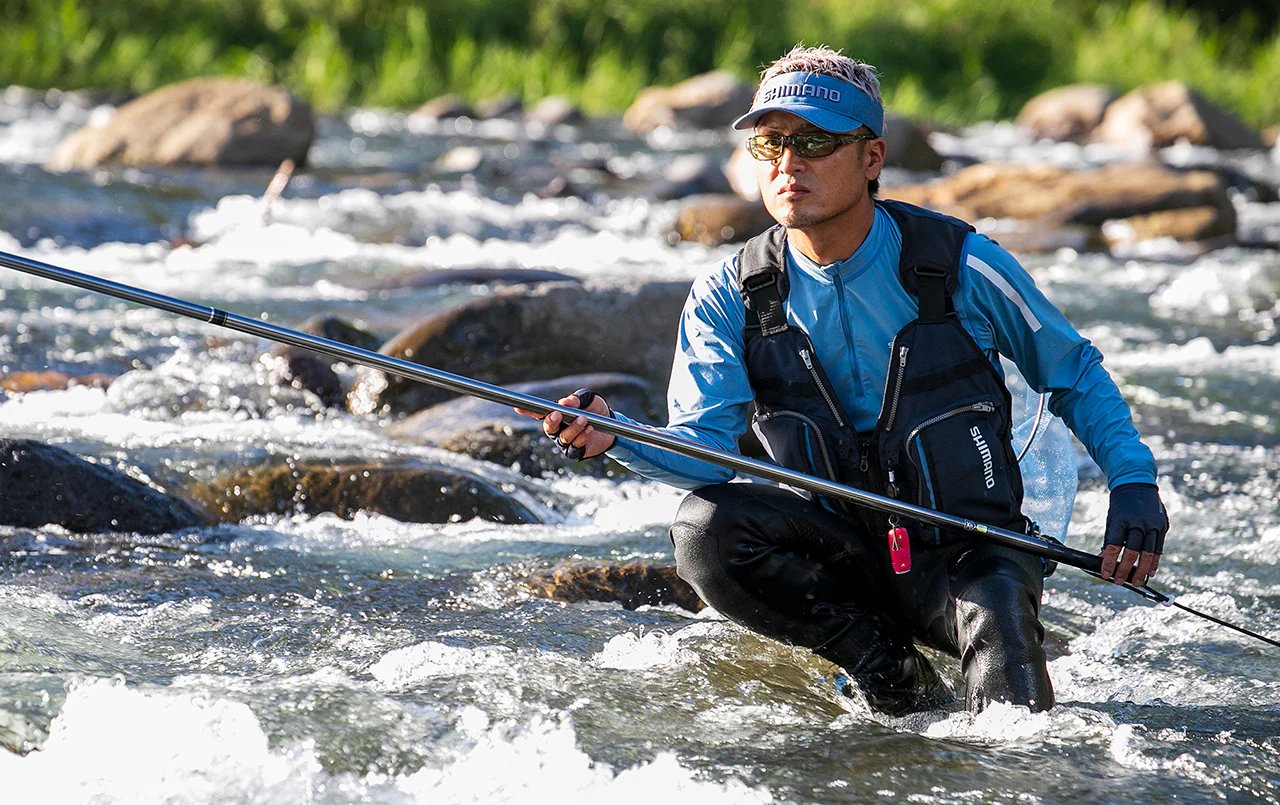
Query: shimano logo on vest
column 789, row 90
column 988, row 473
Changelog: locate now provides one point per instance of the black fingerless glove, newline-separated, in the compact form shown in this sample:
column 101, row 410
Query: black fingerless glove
column 1136, row 519
column 585, row 398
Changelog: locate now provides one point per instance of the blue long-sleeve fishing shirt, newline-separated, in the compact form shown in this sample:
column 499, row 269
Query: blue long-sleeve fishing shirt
column 851, row 311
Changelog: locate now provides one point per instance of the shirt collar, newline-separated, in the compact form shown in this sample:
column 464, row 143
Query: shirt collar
column 850, row 267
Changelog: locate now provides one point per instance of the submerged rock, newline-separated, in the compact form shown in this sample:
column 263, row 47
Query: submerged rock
column 1204, row 224
column 632, row 585
column 438, row 277
column 49, row 380
column 204, row 121
column 1159, row 115
column 45, row 485
column 527, row 333
column 412, row 494
column 496, row 433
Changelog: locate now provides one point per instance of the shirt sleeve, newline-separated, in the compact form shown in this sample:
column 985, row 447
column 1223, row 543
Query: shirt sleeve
column 1056, row 359
column 709, row 393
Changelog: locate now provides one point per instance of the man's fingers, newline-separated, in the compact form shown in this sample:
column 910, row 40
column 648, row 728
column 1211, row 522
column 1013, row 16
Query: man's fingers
column 1124, row 571
column 1110, row 555
column 1146, row 568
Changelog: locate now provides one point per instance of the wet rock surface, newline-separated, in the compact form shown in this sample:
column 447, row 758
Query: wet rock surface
column 706, row 101
column 631, row 584
column 722, row 218
column 526, row 333
column 1059, row 196
column 1067, row 113
column 45, row 485
column 496, row 433
column 412, row 493
column 305, row 369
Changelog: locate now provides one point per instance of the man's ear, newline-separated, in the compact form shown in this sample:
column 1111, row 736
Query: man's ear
column 874, row 158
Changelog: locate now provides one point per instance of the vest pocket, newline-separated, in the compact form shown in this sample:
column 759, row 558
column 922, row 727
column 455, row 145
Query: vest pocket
column 795, row 441
column 958, row 463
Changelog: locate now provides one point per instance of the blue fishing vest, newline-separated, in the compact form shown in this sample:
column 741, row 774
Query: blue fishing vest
column 943, row 438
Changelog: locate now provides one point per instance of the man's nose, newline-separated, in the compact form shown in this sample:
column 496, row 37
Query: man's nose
column 788, row 161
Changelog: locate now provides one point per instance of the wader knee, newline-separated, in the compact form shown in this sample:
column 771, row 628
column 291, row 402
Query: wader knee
column 779, row 566
column 999, row 633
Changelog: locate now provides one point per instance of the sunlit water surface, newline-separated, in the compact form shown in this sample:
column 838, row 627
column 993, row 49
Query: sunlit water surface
column 299, row 658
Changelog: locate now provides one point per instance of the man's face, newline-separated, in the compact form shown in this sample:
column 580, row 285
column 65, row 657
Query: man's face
column 803, row 193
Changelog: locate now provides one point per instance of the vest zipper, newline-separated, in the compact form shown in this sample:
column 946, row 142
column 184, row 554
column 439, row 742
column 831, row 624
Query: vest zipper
column 892, row 401
column 817, row 432
column 822, row 388
column 984, row 406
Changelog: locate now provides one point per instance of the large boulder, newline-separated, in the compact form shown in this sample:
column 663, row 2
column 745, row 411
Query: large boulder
column 717, row 218
column 533, row 332
column 413, row 493
column 709, row 100
column 1160, row 115
column 631, row 584
column 555, row 110
column 1066, row 113
column 1052, row 194
column 45, row 485
column 494, row 432
column 444, row 107
column 313, row 371
column 907, row 146
column 204, row 121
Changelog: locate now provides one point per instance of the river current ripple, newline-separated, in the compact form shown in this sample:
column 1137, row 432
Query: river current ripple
column 299, row 658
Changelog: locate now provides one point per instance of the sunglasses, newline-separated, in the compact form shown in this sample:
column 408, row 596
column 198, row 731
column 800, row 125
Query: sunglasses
column 807, row 145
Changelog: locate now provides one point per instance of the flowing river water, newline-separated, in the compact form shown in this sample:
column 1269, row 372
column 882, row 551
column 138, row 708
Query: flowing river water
column 305, row 658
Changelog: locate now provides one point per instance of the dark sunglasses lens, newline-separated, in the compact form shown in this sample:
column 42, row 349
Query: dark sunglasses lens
column 763, row 147
column 815, row 145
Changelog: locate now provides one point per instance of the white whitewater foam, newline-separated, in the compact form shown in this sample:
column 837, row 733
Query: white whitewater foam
column 633, row 652
column 112, row 744
column 542, row 763
column 409, row 666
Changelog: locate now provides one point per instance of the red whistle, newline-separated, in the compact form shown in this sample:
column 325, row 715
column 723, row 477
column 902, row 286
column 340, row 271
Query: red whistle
column 899, row 550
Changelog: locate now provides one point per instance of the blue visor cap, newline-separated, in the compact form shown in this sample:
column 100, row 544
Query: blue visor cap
column 828, row 103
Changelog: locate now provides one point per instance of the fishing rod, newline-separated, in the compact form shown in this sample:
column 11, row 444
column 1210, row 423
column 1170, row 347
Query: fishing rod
column 1030, row 543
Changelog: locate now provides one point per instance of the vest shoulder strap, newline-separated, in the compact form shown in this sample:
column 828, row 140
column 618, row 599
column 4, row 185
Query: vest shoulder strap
column 761, row 280
column 929, row 263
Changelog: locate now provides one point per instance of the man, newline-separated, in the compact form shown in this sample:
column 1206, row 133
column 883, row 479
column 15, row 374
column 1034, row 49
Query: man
column 867, row 335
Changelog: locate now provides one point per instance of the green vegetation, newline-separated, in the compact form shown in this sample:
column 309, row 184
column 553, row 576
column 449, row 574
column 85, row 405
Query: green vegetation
column 946, row 60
